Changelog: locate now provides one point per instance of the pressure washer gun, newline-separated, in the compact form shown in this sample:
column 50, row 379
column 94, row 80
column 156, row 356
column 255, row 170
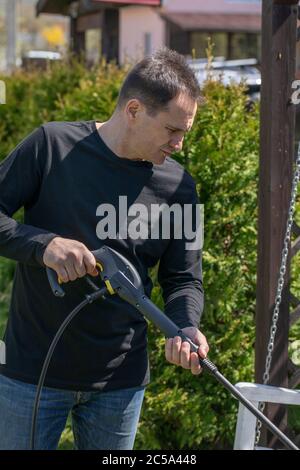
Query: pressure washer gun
column 120, row 277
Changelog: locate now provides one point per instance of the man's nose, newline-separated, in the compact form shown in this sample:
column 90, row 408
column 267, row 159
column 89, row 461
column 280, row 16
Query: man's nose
column 176, row 145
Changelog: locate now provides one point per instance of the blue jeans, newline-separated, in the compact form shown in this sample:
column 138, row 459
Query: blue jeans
column 100, row 420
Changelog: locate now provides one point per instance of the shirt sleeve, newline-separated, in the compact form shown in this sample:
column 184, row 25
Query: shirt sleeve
column 21, row 174
column 180, row 272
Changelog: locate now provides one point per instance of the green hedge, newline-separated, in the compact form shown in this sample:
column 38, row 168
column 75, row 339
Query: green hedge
column 180, row 411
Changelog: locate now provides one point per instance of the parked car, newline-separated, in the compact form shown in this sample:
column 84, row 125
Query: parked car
column 230, row 71
column 39, row 59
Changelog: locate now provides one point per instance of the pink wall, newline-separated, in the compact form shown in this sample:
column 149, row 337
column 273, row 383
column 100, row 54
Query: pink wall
column 223, row 6
column 135, row 23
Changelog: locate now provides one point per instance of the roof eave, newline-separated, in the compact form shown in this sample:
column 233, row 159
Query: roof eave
column 58, row 7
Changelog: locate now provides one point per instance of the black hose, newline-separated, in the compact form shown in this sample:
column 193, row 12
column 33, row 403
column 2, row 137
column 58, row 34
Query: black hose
column 89, row 299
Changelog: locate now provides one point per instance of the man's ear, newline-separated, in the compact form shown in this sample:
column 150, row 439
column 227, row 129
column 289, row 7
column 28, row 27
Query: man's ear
column 132, row 108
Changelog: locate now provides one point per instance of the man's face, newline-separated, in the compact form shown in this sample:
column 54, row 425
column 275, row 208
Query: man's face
column 154, row 138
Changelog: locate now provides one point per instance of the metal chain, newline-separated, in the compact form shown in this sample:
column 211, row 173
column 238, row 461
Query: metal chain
column 282, row 271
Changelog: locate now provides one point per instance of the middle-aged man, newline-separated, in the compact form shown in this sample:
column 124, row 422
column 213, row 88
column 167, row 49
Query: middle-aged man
column 67, row 176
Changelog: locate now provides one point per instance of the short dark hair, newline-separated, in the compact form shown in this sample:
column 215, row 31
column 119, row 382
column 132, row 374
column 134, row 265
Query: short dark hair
column 157, row 79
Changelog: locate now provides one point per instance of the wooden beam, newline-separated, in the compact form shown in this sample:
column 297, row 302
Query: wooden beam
column 90, row 21
column 285, row 2
column 279, row 23
column 53, row 6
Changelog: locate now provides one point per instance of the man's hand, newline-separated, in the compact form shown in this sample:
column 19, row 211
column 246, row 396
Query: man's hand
column 178, row 352
column 70, row 259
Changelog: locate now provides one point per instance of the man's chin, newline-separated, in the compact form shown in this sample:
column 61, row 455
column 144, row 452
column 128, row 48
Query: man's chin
column 157, row 160
column 161, row 158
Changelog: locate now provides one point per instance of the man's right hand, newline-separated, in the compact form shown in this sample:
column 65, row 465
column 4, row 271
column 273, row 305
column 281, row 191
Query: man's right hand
column 70, row 259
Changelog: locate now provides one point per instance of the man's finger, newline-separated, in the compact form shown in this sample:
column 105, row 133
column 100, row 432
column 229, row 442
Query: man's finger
column 185, row 355
column 90, row 263
column 168, row 349
column 72, row 274
column 203, row 350
column 176, row 346
column 80, row 268
column 62, row 274
column 195, row 366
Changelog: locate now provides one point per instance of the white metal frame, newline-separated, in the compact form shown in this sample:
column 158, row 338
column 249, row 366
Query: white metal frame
column 246, row 421
column 2, row 352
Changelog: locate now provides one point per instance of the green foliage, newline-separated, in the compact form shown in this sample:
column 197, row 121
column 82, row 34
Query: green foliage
column 180, row 411
column 62, row 92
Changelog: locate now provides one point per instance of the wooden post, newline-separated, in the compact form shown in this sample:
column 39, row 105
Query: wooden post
column 110, row 35
column 279, row 23
column 77, row 38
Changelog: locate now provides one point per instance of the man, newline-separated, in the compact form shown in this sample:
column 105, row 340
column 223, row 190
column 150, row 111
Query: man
column 67, row 175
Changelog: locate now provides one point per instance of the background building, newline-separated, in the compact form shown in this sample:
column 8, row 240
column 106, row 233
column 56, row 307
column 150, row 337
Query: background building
column 123, row 30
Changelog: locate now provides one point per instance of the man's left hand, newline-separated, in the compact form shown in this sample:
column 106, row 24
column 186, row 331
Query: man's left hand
column 178, row 351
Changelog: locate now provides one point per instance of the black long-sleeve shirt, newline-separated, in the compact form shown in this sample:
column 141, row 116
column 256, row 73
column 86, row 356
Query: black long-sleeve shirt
column 62, row 174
